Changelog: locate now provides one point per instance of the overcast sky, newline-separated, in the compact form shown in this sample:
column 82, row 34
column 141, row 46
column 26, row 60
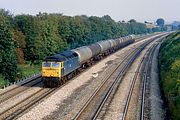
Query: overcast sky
column 140, row 10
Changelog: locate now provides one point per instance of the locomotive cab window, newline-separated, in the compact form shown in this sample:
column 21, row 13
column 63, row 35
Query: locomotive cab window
column 55, row 65
column 47, row 64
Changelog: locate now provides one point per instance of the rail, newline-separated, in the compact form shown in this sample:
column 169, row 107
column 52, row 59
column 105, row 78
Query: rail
column 133, row 81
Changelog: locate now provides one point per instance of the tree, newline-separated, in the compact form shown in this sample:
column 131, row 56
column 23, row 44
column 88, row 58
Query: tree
column 132, row 21
column 8, row 58
column 20, row 45
column 160, row 22
column 26, row 24
column 123, row 21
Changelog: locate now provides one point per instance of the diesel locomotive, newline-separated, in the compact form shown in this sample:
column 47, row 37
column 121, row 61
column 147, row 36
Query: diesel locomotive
column 58, row 68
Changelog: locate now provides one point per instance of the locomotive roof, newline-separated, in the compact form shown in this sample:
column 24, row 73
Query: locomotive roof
column 69, row 54
column 62, row 56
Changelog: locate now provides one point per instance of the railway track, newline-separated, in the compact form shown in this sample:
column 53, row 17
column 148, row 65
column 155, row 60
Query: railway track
column 144, row 64
column 93, row 106
column 29, row 102
column 145, row 78
column 143, row 70
column 19, row 108
column 18, row 89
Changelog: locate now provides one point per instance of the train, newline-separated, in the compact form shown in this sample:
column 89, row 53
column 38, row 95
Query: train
column 59, row 68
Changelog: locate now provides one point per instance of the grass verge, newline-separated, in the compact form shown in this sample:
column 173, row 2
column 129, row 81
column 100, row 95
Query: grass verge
column 24, row 71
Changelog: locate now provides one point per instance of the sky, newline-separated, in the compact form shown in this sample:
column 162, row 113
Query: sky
column 140, row 10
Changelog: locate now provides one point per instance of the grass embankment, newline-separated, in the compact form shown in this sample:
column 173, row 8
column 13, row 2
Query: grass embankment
column 170, row 73
column 3, row 81
column 25, row 70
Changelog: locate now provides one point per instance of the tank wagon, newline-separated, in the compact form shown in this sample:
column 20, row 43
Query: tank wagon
column 57, row 69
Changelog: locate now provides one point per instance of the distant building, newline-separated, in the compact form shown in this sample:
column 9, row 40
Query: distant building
column 169, row 27
column 150, row 25
column 176, row 25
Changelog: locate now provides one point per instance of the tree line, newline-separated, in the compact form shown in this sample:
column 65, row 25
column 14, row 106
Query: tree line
column 28, row 38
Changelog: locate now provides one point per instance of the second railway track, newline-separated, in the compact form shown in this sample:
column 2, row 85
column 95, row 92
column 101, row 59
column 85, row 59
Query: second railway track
column 143, row 68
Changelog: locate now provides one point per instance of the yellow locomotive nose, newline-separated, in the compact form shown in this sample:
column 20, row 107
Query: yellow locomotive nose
column 51, row 69
column 50, row 73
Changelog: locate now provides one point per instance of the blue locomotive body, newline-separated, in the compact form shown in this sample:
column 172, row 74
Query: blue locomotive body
column 70, row 64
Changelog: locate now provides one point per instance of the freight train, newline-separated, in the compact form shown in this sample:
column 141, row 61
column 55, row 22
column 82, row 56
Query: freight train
column 59, row 68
